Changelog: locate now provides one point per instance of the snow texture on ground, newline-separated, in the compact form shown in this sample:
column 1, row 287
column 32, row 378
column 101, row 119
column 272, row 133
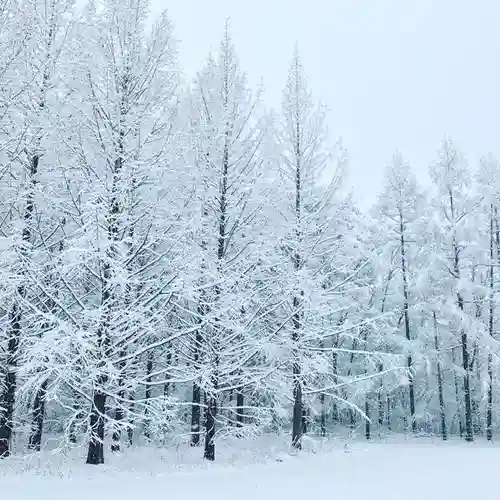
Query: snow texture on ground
column 391, row 470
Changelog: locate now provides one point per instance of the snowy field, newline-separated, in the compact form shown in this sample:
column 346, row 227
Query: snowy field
column 417, row 469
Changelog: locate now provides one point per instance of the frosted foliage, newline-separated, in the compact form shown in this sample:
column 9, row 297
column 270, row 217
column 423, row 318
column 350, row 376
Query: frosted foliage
column 181, row 266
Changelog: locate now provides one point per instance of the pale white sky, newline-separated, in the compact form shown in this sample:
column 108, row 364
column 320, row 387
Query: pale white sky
column 396, row 74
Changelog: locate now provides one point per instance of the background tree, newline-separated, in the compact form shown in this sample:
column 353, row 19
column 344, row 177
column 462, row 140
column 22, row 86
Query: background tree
column 453, row 205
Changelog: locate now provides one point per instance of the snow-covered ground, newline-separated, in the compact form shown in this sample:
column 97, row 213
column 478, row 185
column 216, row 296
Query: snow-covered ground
column 417, row 469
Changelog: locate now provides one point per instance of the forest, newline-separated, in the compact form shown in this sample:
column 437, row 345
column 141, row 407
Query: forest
column 181, row 263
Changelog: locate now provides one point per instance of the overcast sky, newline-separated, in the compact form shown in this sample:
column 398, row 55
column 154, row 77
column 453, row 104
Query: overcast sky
column 395, row 74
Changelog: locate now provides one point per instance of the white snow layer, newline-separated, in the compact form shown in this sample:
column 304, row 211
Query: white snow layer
column 411, row 470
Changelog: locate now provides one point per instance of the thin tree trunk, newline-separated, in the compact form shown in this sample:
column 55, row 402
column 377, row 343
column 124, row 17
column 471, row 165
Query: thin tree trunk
column 297, row 425
column 442, row 412
column 149, row 371
column 196, row 397
column 407, row 322
column 389, row 413
column 166, row 387
column 73, row 438
column 130, row 428
column 335, row 408
column 119, row 413
column 459, row 413
column 469, row 435
column 380, row 365
column 210, row 419
column 195, row 415
column 72, row 434
column 350, row 412
column 240, row 414
column 304, row 420
column 380, row 399
column 489, row 408
column 297, row 428
column 367, row 420
column 8, row 396
column 322, row 399
column 35, row 441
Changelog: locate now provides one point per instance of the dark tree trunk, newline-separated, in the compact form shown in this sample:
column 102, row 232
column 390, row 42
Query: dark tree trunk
column 130, row 428
column 95, row 454
column 352, row 418
column 298, row 406
column 380, row 366
column 297, row 428
column 35, row 440
column 322, row 399
column 73, row 438
column 457, row 397
column 72, row 434
column 212, row 397
column 8, row 396
column 335, row 408
column 477, row 423
column 380, row 399
column 115, row 445
column 335, row 413
column 489, row 408
column 350, row 411
column 297, row 425
column 389, row 413
column 119, row 411
column 442, row 412
column 404, row 270
column 195, row 415
column 210, row 419
column 469, row 435
column 196, row 398
column 166, row 387
column 240, row 414
column 304, row 420
column 14, row 336
column 149, row 371
column 368, row 433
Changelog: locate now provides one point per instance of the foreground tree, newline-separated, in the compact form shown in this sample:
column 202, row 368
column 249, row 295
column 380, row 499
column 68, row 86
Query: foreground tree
column 227, row 128
column 115, row 284
column 38, row 64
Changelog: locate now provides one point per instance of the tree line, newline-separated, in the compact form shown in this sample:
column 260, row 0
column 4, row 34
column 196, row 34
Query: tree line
column 179, row 262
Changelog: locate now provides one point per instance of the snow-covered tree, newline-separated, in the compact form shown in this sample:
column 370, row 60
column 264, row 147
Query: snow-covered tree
column 453, row 205
column 319, row 256
column 227, row 128
column 29, row 153
column 120, row 212
column 400, row 205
